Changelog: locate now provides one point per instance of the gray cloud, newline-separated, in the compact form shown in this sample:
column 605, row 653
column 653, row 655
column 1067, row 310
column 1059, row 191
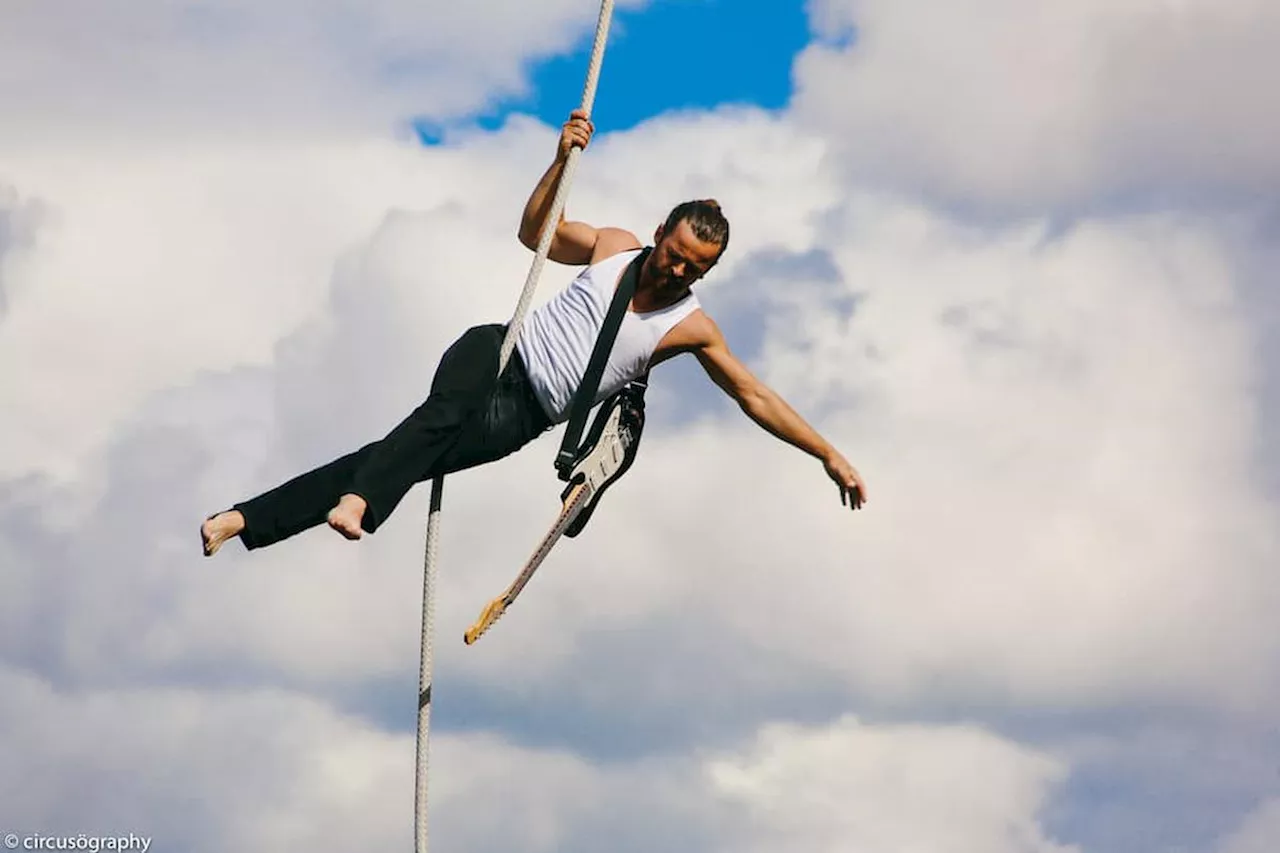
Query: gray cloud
column 20, row 218
column 1257, row 832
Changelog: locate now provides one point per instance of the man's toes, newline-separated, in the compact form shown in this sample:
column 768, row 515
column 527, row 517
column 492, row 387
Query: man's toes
column 348, row 527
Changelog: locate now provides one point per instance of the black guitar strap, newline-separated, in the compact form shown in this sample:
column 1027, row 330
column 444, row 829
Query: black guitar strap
column 582, row 400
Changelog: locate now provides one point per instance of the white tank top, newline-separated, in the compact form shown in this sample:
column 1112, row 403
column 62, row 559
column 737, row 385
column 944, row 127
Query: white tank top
column 557, row 337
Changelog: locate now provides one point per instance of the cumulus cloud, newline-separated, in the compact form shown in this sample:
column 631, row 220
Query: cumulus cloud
column 233, row 248
column 850, row 786
column 1030, row 399
column 198, row 770
column 240, row 68
column 210, row 770
column 1019, row 105
column 276, row 770
column 351, row 303
column 1027, row 400
column 945, row 361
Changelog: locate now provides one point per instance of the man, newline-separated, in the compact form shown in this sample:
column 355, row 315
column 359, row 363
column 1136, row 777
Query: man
column 473, row 416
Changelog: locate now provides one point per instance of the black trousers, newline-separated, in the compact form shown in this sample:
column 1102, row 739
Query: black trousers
column 471, row 417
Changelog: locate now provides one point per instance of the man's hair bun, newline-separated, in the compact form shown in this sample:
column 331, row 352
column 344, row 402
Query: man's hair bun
column 705, row 218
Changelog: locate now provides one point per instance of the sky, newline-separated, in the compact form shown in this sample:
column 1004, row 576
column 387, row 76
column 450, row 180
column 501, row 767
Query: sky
column 1015, row 261
column 739, row 59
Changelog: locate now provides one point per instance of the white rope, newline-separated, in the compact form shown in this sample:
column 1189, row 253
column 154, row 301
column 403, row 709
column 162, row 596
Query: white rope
column 428, row 656
column 562, row 189
column 430, row 569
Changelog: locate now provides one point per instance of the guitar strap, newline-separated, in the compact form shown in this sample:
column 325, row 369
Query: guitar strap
column 582, row 400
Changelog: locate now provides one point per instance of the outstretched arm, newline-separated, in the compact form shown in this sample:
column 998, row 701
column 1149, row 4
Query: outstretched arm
column 770, row 411
column 574, row 243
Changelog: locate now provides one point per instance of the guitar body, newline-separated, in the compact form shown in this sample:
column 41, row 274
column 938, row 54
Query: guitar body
column 609, row 449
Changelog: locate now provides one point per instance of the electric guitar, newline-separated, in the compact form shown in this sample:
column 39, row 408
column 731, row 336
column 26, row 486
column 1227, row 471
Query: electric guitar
column 606, row 454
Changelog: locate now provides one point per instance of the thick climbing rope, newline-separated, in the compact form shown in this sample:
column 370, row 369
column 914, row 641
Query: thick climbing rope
column 430, row 568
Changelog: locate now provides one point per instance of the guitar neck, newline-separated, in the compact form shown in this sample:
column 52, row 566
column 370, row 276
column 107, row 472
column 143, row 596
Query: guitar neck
column 569, row 509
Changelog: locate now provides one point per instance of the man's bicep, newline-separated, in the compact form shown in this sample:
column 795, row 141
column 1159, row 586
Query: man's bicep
column 579, row 244
column 573, row 243
column 725, row 370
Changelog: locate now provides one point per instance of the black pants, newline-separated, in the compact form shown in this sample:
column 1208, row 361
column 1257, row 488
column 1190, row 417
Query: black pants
column 471, row 417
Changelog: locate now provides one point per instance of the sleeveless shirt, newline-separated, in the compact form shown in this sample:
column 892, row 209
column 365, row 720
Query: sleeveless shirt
column 557, row 337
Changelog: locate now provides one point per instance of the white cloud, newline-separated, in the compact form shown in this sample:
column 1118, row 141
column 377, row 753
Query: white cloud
column 1029, row 410
column 199, row 770
column 277, row 771
column 210, row 770
column 205, row 259
column 332, row 269
column 249, row 70
column 1023, row 105
column 852, row 786
column 1000, row 391
column 1025, row 411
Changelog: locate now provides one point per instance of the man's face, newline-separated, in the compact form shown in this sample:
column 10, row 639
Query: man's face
column 679, row 259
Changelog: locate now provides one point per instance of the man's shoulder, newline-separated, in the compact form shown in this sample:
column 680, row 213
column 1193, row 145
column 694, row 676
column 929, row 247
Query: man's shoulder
column 612, row 241
column 699, row 326
column 695, row 331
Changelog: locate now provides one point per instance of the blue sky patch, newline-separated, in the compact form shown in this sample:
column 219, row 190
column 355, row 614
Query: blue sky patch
column 673, row 55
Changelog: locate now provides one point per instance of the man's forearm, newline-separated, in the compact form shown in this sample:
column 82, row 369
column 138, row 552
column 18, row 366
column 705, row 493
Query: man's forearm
column 539, row 204
column 773, row 414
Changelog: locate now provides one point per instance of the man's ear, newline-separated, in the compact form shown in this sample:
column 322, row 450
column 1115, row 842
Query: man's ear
column 657, row 234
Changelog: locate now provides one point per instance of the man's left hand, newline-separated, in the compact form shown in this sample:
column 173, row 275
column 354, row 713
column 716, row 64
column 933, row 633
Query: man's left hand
column 853, row 492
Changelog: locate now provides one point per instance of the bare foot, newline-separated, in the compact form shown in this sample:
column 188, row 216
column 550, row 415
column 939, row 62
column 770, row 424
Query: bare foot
column 219, row 529
column 346, row 516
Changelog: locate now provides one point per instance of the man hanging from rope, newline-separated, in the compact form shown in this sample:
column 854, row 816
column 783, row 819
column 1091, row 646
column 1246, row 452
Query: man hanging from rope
column 472, row 416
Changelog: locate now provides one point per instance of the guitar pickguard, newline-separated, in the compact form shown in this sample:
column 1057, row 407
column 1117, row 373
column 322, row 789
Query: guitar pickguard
column 610, row 449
